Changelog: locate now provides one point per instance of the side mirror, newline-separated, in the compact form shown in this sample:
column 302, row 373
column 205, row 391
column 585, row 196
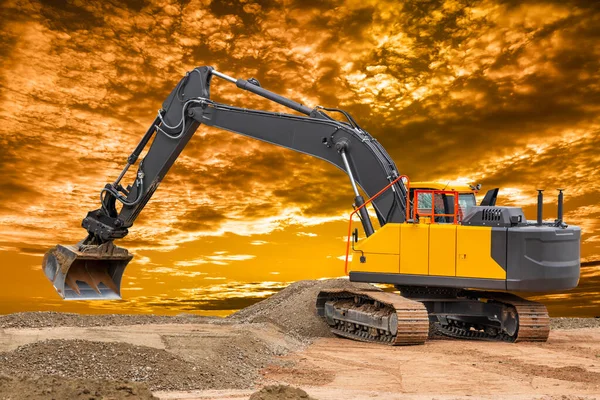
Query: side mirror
column 355, row 236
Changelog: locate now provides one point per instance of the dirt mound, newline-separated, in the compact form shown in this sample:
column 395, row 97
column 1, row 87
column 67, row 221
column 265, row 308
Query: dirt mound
column 293, row 308
column 46, row 319
column 569, row 373
column 280, row 392
column 574, row 323
column 112, row 361
column 227, row 365
column 34, row 388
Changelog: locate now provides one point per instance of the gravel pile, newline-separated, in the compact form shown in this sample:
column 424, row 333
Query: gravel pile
column 44, row 388
column 45, row 319
column 293, row 308
column 574, row 323
column 228, row 365
column 280, row 392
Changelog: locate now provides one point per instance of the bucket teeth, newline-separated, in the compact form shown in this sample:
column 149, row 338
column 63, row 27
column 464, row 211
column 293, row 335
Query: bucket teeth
column 71, row 281
column 102, row 276
column 80, row 272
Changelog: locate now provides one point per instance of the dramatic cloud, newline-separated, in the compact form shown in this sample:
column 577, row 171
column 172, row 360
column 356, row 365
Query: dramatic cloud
column 504, row 93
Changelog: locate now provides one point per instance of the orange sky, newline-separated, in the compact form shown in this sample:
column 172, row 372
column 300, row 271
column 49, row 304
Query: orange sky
column 494, row 92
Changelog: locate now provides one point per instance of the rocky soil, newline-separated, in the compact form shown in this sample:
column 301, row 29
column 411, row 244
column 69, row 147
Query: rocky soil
column 54, row 319
column 280, row 392
column 232, row 362
column 574, row 323
column 47, row 387
column 111, row 361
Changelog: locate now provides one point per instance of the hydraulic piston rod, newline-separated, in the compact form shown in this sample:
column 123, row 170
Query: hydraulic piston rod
column 253, row 86
column 358, row 199
column 224, row 76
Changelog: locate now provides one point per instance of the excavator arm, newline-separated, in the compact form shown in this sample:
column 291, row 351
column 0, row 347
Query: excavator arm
column 342, row 144
column 93, row 268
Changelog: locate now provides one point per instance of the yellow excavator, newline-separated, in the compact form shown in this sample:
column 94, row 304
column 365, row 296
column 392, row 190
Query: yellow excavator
column 453, row 261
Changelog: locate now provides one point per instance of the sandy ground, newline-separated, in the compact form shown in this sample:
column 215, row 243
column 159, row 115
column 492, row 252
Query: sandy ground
column 280, row 341
column 566, row 367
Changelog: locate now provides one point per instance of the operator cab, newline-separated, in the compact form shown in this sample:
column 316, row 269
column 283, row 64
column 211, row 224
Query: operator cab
column 444, row 203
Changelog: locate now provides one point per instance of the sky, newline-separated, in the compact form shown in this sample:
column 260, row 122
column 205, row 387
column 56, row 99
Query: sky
column 502, row 93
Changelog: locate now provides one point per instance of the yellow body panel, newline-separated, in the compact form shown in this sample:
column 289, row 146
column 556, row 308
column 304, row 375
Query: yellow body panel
column 414, row 249
column 442, row 249
column 381, row 251
column 375, row 262
column 385, row 241
column 429, row 249
column 474, row 255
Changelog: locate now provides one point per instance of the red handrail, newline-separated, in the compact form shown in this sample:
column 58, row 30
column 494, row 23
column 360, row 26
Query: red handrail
column 376, row 195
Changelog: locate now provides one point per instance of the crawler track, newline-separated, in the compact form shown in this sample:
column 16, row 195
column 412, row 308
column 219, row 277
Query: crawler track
column 387, row 318
column 374, row 316
column 532, row 317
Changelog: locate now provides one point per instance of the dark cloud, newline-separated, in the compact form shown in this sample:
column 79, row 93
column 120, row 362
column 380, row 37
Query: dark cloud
column 133, row 5
column 204, row 218
column 318, row 196
column 66, row 15
column 250, row 13
column 260, row 210
column 7, row 39
column 33, row 251
column 13, row 192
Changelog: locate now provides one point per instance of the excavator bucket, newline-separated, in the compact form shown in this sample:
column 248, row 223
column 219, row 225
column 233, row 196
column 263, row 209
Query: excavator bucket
column 86, row 272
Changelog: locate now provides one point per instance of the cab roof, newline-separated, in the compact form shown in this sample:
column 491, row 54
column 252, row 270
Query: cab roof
column 459, row 187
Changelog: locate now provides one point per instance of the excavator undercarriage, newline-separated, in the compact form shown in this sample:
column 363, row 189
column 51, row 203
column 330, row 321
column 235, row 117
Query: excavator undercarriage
column 420, row 313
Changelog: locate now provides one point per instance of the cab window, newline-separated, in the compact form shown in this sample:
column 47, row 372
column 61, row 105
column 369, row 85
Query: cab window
column 466, row 201
column 425, row 203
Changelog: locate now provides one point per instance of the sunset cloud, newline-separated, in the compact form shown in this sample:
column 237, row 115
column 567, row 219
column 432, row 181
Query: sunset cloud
column 499, row 92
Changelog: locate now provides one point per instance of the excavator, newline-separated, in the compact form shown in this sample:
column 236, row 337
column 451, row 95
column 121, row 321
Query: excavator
column 456, row 264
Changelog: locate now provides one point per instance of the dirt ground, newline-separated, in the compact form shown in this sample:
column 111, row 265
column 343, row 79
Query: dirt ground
column 253, row 352
column 47, row 387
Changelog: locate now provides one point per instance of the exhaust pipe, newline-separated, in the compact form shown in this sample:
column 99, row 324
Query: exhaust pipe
column 86, row 272
column 559, row 219
column 540, row 206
